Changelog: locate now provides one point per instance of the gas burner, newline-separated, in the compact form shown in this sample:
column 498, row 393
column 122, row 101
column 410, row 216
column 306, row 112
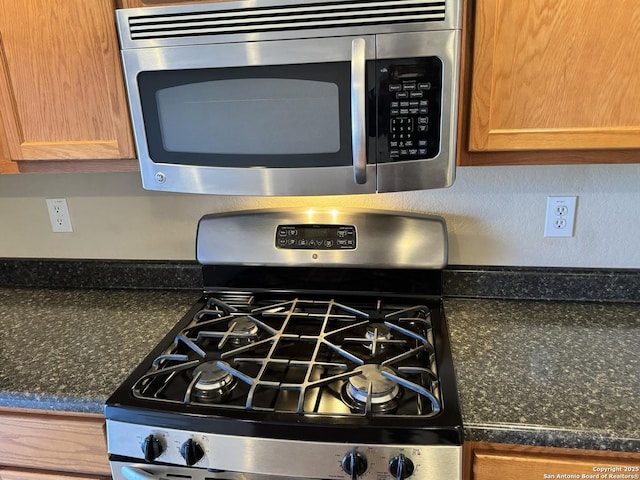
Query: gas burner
column 369, row 389
column 378, row 334
column 243, row 330
column 379, row 331
column 212, row 383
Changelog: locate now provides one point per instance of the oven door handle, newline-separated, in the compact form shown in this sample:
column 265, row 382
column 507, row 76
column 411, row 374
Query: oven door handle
column 358, row 119
column 133, row 473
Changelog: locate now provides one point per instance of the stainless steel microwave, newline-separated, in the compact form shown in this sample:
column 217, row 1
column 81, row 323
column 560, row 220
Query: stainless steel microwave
column 294, row 97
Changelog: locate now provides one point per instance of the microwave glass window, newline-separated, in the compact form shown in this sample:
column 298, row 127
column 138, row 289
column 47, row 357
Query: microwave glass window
column 251, row 116
column 274, row 116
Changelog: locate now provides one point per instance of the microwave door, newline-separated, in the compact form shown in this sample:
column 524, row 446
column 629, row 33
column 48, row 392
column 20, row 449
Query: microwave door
column 257, row 118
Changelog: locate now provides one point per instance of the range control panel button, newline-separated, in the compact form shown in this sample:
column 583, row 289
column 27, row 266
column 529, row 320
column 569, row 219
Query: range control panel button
column 316, row 237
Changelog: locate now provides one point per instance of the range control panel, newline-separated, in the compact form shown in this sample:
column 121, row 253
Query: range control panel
column 316, row 237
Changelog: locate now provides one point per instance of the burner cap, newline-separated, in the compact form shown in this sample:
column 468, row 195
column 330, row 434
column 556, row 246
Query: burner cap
column 243, row 326
column 384, row 392
column 379, row 331
column 213, row 382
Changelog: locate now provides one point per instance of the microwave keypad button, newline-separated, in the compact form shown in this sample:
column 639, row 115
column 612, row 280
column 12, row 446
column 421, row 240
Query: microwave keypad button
column 414, row 103
column 414, row 111
column 423, row 128
column 404, row 152
column 408, row 143
column 417, row 94
column 424, row 85
column 422, row 151
column 422, row 143
column 401, row 125
column 395, row 112
column 394, row 104
column 395, row 87
column 404, row 104
column 404, row 94
column 423, row 120
column 409, row 86
column 404, row 111
column 413, row 151
column 424, row 103
column 394, row 153
column 282, row 242
column 393, row 144
column 423, row 110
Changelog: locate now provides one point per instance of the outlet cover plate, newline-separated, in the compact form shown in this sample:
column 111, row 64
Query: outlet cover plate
column 560, row 217
column 59, row 215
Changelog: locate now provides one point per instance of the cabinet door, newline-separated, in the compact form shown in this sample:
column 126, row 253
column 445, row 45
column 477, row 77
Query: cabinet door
column 50, row 441
column 61, row 88
column 485, row 461
column 25, row 475
column 6, row 164
column 555, row 75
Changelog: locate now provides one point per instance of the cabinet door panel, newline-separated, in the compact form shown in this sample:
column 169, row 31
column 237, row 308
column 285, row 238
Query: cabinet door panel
column 61, row 442
column 490, row 461
column 23, row 475
column 491, row 466
column 61, row 89
column 555, row 75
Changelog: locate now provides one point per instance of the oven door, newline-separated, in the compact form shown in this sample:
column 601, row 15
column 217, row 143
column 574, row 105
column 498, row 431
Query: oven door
column 122, row 470
column 255, row 118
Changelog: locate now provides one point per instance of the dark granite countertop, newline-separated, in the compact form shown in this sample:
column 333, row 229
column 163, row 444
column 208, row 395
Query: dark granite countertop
column 532, row 372
column 69, row 349
column 549, row 373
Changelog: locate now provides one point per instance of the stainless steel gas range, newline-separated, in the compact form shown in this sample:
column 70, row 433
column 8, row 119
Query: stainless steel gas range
column 319, row 350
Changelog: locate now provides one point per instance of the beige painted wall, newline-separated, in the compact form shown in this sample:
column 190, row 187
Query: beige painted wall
column 495, row 216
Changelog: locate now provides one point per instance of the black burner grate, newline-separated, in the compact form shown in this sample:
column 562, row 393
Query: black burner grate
column 301, row 356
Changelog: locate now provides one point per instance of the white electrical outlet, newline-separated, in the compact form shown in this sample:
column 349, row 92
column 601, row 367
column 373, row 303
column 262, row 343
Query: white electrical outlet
column 59, row 215
column 561, row 216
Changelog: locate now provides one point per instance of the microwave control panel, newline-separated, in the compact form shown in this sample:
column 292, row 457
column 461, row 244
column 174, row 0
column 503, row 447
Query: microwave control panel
column 316, row 237
column 409, row 106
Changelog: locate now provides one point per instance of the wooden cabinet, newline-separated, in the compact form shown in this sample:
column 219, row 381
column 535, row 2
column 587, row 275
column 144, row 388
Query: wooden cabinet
column 32, row 475
column 554, row 76
column 62, row 93
column 38, row 445
column 484, row 461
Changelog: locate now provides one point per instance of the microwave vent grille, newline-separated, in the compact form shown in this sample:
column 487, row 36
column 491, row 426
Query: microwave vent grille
column 245, row 20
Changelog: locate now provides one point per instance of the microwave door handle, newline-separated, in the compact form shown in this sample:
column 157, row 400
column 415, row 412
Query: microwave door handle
column 358, row 131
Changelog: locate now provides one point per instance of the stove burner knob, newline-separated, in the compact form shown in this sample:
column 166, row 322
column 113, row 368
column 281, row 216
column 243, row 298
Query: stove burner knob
column 401, row 467
column 355, row 464
column 191, row 451
column 152, row 448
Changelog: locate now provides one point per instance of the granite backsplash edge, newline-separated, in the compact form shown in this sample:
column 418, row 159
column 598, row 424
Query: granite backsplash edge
column 534, row 283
